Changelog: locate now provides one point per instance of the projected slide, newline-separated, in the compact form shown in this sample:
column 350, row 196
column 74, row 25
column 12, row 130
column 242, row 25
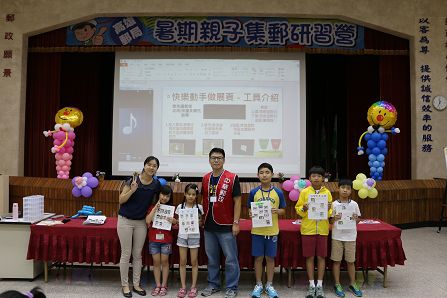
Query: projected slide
column 198, row 119
column 179, row 109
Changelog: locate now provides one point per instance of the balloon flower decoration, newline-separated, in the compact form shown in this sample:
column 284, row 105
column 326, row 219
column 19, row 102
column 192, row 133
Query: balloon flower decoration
column 381, row 116
column 83, row 185
column 63, row 139
column 294, row 186
column 365, row 186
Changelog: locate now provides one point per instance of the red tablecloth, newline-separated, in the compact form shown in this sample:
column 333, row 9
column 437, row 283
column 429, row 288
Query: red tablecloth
column 377, row 244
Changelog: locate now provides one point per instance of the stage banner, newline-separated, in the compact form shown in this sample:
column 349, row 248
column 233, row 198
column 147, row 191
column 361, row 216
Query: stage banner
column 247, row 32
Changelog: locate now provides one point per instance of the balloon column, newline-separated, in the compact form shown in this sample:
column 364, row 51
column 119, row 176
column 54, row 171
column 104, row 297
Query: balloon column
column 63, row 139
column 294, row 186
column 365, row 186
column 381, row 116
column 83, row 186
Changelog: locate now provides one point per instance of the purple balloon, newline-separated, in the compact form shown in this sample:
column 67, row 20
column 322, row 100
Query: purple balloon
column 76, row 192
column 370, row 182
column 71, row 135
column 92, row 182
column 86, row 191
column 87, row 174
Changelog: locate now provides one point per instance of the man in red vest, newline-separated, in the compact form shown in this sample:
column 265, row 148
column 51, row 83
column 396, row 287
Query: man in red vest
column 221, row 194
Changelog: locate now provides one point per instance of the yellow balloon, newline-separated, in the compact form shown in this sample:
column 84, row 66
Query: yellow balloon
column 363, row 193
column 72, row 116
column 360, row 177
column 372, row 193
column 383, row 114
column 357, row 184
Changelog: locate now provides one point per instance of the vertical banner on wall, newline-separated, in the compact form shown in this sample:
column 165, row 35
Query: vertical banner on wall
column 217, row 31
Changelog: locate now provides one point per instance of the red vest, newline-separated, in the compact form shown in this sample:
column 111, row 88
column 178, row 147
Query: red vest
column 223, row 208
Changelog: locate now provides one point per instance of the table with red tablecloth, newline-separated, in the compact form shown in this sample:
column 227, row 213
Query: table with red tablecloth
column 378, row 245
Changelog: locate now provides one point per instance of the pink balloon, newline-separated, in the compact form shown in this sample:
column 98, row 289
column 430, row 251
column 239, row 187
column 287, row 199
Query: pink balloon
column 62, row 150
column 66, row 156
column 294, row 195
column 287, row 185
column 65, row 168
column 59, row 176
column 61, row 173
column 58, row 168
column 69, row 150
column 69, row 144
column 308, row 183
column 71, row 135
column 64, row 176
column 58, row 156
column 61, row 162
column 295, row 177
column 57, row 142
column 68, row 162
column 60, row 135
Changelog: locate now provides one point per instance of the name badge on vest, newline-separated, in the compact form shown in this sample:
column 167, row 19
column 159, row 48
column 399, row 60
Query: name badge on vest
column 159, row 236
column 213, row 199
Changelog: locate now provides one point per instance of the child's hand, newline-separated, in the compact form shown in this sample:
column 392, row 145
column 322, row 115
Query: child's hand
column 274, row 210
column 355, row 216
column 157, row 206
column 171, row 220
column 249, row 213
column 329, row 205
column 305, row 207
column 337, row 216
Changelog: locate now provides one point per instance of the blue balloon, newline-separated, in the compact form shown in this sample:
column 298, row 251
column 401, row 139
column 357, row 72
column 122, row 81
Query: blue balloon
column 370, row 163
column 382, row 164
column 375, row 151
column 367, row 137
column 379, row 178
column 376, row 136
column 368, row 151
column 384, row 151
column 372, row 157
column 162, row 181
column 381, row 144
column 376, row 175
column 371, row 144
column 380, row 170
column 373, row 169
column 384, row 136
column 376, row 164
column 380, row 157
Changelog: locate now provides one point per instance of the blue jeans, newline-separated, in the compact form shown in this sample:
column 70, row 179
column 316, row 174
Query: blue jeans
column 214, row 241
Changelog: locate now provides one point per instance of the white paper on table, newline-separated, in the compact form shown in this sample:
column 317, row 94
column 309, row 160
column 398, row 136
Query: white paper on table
column 159, row 221
column 347, row 221
column 188, row 221
column 261, row 214
column 317, row 206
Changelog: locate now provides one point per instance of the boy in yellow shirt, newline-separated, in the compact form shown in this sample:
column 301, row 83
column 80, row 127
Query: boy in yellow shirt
column 315, row 228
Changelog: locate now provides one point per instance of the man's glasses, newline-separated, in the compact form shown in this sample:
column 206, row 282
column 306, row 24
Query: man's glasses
column 216, row 158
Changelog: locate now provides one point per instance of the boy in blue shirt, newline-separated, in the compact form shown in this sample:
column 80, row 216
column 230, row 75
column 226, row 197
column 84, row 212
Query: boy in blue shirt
column 265, row 239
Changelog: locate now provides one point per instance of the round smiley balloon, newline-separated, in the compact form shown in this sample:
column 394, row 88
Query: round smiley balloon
column 70, row 115
column 382, row 114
